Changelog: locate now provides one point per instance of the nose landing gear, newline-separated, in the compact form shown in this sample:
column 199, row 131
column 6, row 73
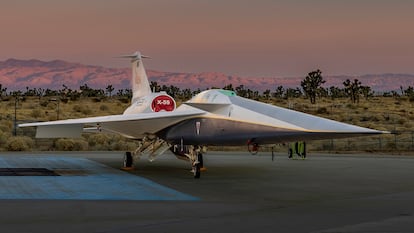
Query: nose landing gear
column 197, row 165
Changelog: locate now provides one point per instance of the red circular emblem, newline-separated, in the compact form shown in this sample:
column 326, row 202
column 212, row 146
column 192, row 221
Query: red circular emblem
column 163, row 102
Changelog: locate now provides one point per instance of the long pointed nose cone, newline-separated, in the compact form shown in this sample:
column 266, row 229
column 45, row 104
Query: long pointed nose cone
column 306, row 121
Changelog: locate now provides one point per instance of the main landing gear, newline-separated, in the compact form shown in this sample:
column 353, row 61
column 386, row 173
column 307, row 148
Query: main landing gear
column 150, row 146
column 193, row 154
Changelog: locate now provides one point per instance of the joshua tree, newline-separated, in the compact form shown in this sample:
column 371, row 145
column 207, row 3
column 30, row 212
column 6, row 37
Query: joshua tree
column 109, row 90
column 229, row 87
column 279, row 92
column 3, row 90
column 266, row 94
column 366, row 91
column 311, row 84
column 336, row 92
column 155, row 87
column 353, row 89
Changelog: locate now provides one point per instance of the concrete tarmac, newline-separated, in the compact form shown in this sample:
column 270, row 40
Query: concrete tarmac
column 238, row 193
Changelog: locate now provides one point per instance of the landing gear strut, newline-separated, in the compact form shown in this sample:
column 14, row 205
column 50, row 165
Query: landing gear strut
column 150, row 146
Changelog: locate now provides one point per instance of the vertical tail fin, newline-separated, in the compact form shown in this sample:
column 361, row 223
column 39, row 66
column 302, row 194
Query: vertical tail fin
column 139, row 81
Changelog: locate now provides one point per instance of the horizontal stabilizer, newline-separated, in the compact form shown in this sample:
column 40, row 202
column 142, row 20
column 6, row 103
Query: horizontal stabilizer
column 135, row 56
column 59, row 131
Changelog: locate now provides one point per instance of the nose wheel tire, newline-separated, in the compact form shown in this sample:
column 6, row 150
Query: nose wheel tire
column 198, row 164
column 197, row 172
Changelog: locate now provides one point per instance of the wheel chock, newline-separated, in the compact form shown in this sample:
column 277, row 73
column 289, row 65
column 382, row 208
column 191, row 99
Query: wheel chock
column 128, row 168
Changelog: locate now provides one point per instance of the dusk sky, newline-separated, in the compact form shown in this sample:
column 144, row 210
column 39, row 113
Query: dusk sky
column 265, row 38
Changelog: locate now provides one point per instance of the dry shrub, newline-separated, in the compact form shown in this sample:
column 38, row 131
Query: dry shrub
column 44, row 103
column 104, row 108
column 6, row 126
column 99, row 140
column 19, row 143
column 36, row 113
column 4, row 136
column 97, row 99
column 369, row 118
column 31, row 106
column 69, row 144
column 120, row 143
column 408, row 125
column 123, row 145
column 82, row 109
column 124, row 100
column 77, row 108
column 86, row 111
column 110, row 142
column 322, row 110
column 6, row 98
column 351, row 106
column 51, row 117
column 391, row 146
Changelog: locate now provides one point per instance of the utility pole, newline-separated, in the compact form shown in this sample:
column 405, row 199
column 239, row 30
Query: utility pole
column 16, row 101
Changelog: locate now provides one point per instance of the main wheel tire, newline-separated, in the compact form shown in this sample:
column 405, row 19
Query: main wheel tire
column 197, row 172
column 128, row 160
column 200, row 160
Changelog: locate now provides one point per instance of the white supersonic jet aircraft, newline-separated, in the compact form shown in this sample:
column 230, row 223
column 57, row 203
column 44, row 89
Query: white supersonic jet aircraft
column 211, row 118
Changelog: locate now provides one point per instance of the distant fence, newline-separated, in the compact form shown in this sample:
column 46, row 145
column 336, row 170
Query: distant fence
column 400, row 141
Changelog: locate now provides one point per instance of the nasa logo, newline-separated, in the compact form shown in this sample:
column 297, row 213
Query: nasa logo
column 163, row 102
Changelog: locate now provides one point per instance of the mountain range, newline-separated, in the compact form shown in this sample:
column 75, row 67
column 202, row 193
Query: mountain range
column 18, row 74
